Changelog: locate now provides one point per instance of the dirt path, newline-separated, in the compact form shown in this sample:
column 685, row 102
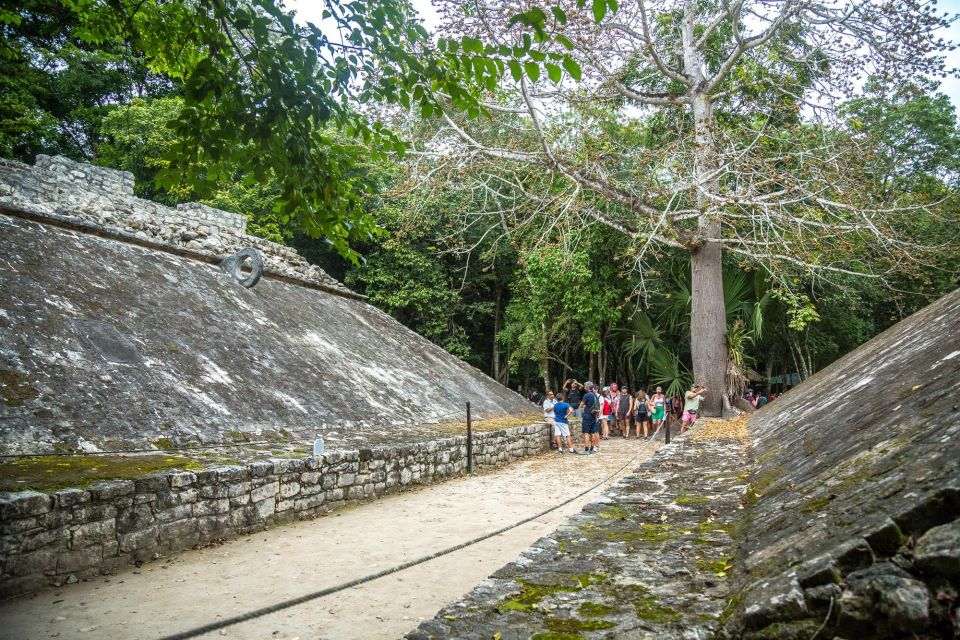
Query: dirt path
column 197, row 587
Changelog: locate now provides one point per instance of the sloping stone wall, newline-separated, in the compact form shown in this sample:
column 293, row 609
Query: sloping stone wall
column 73, row 533
column 111, row 342
column 856, row 493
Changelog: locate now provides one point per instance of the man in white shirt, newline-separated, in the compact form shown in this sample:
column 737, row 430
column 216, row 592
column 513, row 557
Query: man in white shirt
column 548, row 404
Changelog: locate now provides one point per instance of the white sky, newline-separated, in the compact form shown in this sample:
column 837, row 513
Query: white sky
column 310, row 11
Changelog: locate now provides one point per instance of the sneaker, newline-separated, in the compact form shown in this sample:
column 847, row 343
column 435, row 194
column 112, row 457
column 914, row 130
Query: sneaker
column 560, row 451
column 572, row 450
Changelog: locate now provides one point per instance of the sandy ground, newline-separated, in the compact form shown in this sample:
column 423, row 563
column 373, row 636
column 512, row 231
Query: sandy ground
column 193, row 588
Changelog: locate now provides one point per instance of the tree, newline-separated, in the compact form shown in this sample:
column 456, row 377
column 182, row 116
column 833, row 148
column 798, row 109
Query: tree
column 252, row 78
column 734, row 152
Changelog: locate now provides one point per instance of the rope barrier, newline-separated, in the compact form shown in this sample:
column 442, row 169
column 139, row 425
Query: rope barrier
column 256, row 613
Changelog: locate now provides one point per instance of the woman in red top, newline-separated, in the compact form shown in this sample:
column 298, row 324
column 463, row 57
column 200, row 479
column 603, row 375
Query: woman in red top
column 605, row 410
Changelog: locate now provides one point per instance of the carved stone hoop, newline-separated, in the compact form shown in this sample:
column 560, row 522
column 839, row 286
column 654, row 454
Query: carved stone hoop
column 232, row 266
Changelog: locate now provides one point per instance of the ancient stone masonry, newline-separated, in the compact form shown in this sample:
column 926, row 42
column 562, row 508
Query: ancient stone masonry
column 101, row 200
column 117, row 333
column 72, row 533
column 649, row 559
column 854, row 529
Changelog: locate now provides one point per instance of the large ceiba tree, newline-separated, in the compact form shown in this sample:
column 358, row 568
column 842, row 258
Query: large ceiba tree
column 701, row 126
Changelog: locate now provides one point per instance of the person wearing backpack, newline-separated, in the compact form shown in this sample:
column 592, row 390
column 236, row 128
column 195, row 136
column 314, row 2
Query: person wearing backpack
column 590, row 423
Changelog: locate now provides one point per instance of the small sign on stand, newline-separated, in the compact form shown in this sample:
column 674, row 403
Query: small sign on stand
column 318, row 446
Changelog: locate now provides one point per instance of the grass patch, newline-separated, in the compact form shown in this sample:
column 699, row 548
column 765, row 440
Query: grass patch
column 649, row 610
column 48, row 473
column 493, row 423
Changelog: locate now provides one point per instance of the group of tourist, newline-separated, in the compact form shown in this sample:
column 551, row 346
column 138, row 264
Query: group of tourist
column 612, row 409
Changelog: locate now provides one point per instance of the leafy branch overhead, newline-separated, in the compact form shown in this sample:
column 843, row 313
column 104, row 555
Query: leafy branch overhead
column 262, row 92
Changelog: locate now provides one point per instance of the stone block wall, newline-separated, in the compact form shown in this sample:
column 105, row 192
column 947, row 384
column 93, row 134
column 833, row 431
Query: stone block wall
column 53, row 538
column 102, row 200
column 86, row 176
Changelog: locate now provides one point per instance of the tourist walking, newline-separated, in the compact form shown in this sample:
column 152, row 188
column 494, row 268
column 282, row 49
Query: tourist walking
column 624, row 412
column 691, row 406
column 642, row 410
column 561, row 424
column 590, row 421
column 605, row 409
column 659, row 408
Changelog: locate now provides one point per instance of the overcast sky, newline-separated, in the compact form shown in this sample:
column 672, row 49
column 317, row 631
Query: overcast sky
column 310, row 10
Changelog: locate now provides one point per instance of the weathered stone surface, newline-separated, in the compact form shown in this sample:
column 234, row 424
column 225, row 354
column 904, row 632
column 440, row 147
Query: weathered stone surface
column 842, row 488
column 649, row 559
column 157, row 291
column 883, row 602
column 938, row 551
column 780, row 598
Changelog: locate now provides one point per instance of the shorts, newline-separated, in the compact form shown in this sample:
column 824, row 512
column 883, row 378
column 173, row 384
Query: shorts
column 561, row 429
column 592, row 426
column 578, row 413
column 643, row 417
column 689, row 416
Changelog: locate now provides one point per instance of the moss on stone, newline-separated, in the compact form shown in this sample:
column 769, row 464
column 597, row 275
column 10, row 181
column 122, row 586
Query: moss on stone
column 814, row 504
column 15, row 388
column 574, row 625
column 532, row 593
column 553, row 635
column 615, row 512
column 649, row 610
column 594, row 610
column 163, row 443
column 689, row 499
column 49, row 473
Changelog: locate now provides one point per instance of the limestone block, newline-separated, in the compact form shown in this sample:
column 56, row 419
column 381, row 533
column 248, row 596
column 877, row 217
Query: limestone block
column 41, row 561
column 179, row 534
column 209, row 507
column 152, row 484
column 24, row 504
column 111, row 489
column 307, row 503
column 883, row 601
column 182, row 479
column 92, row 533
column 266, row 491
column 346, row 479
column 134, row 518
column 288, row 489
column 780, row 598
column 70, row 497
column 176, row 513
column 213, row 526
column 261, row 469
column 938, row 551
column 79, row 559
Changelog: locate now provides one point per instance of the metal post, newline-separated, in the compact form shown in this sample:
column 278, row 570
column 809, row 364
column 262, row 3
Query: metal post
column 469, row 441
column 666, row 429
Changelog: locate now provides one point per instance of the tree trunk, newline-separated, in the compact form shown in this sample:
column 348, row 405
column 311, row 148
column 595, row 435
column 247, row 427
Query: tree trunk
column 708, row 325
column 708, row 339
column 593, row 367
column 496, row 331
column 545, row 361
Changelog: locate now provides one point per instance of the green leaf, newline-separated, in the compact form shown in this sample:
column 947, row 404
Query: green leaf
column 572, row 68
column 533, row 70
column 515, row 70
column 554, row 72
column 565, row 41
column 559, row 14
column 472, row 45
column 613, row 5
column 599, row 9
